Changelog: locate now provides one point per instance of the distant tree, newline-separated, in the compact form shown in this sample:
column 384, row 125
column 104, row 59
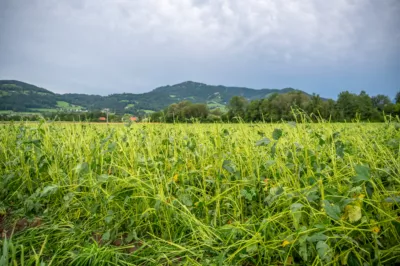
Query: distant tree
column 237, row 107
column 281, row 106
column 315, row 105
column 328, row 110
column 253, row 112
column 365, row 106
column 185, row 111
column 197, row 110
column 346, row 106
column 216, row 112
column 380, row 102
column 397, row 98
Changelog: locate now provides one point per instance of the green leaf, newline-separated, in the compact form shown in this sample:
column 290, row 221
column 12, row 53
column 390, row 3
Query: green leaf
column 324, row 251
column 362, row 173
column 339, row 146
column 108, row 219
column 358, row 179
column 111, row 146
column 393, row 200
column 362, row 170
column 317, row 237
column 352, row 260
column 370, row 189
column 103, row 178
column 48, row 190
column 295, row 207
column 269, row 163
column 303, row 251
column 273, row 150
column 277, row 134
column 252, row 248
column 131, row 235
column 228, row 166
column 186, row 199
column 263, row 142
column 332, row 210
column 225, row 132
column 106, row 236
column 82, row 167
column 246, row 194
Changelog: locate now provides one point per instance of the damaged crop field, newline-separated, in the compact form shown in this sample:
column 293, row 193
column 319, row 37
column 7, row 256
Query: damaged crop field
column 200, row 194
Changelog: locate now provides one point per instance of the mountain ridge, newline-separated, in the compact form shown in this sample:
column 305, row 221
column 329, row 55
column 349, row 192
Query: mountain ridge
column 19, row 96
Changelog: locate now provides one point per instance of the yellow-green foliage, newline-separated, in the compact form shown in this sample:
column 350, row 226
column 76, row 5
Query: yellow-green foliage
column 196, row 194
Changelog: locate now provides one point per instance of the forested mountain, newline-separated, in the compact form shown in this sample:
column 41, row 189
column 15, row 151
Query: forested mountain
column 23, row 97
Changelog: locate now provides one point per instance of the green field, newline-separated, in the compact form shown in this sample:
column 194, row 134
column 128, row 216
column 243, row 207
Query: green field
column 68, row 106
column 200, row 194
column 7, row 112
column 63, row 104
column 147, row 111
column 129, row 106
column 44, row 110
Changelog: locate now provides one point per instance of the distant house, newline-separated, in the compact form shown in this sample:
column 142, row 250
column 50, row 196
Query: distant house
column 102, row 118
column 134, row 119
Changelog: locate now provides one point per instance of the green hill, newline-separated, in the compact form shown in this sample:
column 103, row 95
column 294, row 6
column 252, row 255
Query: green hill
column 23, row 97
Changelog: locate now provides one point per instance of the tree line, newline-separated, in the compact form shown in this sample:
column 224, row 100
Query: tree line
column 276, row 107
column 280, row 107
column 93, row 116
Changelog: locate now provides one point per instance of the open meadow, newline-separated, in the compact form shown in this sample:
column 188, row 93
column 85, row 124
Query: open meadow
column 200, row 194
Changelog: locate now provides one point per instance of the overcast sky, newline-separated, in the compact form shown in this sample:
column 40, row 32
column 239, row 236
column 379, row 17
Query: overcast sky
column 112, row 46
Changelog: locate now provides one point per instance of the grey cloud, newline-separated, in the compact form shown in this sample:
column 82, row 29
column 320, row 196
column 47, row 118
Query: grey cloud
column 105, row 46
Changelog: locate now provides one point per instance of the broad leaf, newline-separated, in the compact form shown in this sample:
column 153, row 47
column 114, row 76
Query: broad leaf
column 263, row 142
column 295, row 207
column 277, row 134
column 252, row 248
column 49, row 190
column 324, row 251
column 106, row 236
column 303, row 251
column 352, row 260
column 317, row 237
column 362, row 173
column 108, row 219
column 332, row 210
column 393, row 200
column 228, row 166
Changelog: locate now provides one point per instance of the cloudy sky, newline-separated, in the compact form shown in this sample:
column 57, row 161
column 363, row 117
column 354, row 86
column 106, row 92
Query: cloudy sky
column 111, row 46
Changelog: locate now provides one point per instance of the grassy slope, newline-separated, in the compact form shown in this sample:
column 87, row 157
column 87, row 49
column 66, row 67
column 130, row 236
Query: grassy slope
column 202, row 194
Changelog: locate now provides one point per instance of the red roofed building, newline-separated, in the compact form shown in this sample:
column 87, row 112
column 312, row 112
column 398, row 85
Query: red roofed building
column 134, row 119
column 102, row 118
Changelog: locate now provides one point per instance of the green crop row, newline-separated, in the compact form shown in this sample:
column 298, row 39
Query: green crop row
column 200, row 194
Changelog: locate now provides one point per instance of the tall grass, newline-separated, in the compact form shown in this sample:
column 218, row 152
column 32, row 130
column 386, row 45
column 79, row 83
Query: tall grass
column 216, row 194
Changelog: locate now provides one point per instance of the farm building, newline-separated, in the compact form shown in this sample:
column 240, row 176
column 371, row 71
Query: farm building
column 102, row 118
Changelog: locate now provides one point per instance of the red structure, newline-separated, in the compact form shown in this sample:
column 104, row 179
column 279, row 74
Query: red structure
column 102, row 118
column 134, row 118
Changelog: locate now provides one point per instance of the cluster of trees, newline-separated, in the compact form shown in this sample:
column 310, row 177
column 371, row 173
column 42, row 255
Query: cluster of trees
column 182, row 111
column 279, row 107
